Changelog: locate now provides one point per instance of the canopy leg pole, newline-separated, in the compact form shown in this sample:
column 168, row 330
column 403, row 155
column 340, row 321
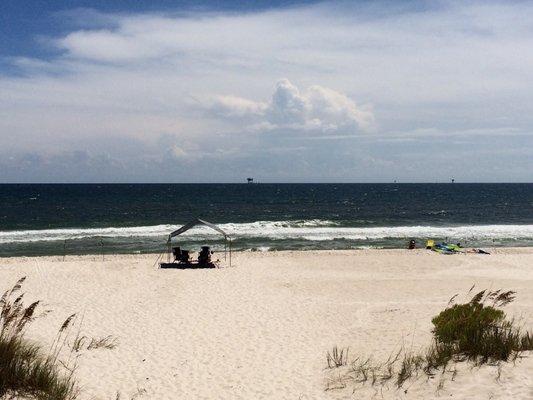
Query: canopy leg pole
column 225, row 248
column 230, row 252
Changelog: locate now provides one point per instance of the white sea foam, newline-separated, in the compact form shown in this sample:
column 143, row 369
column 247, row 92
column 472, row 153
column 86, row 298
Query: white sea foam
column 314, row 230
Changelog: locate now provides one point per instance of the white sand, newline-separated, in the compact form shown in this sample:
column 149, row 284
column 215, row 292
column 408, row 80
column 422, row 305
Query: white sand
column 261, row 330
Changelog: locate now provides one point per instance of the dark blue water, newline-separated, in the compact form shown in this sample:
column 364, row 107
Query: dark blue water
column 53, row 219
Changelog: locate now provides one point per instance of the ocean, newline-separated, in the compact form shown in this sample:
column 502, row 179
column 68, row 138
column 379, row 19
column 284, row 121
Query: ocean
column 136, row 218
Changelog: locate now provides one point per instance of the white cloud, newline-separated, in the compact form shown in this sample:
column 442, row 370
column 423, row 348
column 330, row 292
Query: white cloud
column 106, row 46
column 234, row 107
column 289, row 107
column 316, row 109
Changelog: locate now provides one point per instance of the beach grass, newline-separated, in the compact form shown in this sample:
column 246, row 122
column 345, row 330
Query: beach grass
column 477, row 331
column 26, row 370
column 337, row 357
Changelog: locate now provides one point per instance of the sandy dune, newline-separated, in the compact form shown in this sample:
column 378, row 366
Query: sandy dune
column 261, row 329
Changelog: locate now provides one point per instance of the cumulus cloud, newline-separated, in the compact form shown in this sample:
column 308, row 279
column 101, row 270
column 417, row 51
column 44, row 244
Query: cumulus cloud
column 315, row 109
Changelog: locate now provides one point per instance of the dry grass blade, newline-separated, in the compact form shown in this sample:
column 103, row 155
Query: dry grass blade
column 337, row 358
column 336, row 383
column 79, row 343
column 452, row 299
column 472, row 288
column 61, row 337
column 410, row 366
column 108, row 342
column 86, row 343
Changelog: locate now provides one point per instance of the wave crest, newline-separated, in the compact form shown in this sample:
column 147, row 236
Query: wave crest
column 313, row 230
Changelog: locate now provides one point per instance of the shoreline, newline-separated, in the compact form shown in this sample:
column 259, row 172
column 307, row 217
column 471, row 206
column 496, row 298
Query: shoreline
column 495, row 250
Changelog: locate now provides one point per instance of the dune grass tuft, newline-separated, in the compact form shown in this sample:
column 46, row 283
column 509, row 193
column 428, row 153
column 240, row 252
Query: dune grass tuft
column 337, row 358
column 479, row 331
column 25, row 370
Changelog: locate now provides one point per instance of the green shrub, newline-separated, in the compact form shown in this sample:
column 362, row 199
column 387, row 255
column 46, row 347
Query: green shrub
column 478, row 331
column 465, row 320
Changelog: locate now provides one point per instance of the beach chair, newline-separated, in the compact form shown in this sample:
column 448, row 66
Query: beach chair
column 176, row 251
column 185, row 258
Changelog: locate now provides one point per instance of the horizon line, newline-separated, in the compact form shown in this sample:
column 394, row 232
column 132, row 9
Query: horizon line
column 270, row 183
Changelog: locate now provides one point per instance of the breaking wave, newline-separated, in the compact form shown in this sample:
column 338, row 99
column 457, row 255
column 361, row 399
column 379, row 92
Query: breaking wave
column 312, row 230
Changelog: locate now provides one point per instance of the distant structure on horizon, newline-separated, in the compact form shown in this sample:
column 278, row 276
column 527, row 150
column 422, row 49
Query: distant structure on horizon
column 453, row 180
column 250, row 180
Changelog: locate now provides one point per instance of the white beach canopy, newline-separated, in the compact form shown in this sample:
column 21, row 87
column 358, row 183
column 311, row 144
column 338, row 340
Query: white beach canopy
column 192, row 224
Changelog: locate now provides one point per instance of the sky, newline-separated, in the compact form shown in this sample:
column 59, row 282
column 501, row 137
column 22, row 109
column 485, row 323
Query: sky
column 337, row 91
